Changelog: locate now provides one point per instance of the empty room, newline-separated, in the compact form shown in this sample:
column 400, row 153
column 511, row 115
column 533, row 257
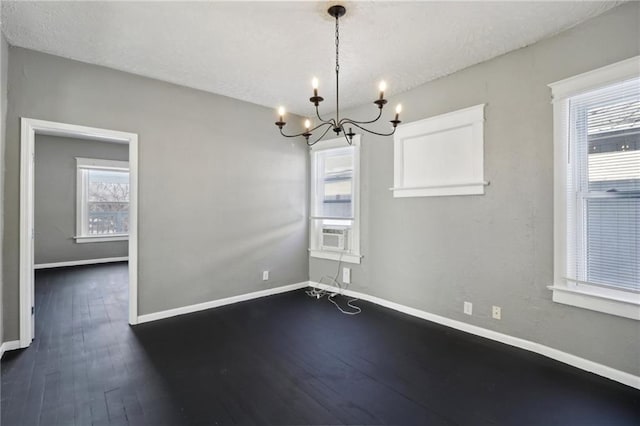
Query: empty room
column 320, row 213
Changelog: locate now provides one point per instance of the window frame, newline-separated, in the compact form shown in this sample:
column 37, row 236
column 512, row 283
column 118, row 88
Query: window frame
column 81, row 201
column 354, row 254
column 619, row 302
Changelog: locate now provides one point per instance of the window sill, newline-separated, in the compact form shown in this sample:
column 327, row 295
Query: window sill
column 614, row 302
column 101, row 239
column 334, row 255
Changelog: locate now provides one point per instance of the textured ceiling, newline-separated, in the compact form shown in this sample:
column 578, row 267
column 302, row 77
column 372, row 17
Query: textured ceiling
column 267, row 52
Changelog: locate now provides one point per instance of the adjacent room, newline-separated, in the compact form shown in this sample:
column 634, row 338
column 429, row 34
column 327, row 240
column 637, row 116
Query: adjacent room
column 320, row 212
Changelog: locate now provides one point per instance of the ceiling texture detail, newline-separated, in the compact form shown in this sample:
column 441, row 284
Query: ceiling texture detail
column 267, row 52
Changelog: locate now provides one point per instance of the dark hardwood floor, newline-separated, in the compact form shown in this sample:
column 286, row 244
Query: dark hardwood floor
column 285, row 359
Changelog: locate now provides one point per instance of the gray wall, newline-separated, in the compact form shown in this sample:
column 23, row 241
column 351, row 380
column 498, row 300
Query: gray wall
column 4, row 60
column 55, row 199
column 497, row 249
column 222, row 195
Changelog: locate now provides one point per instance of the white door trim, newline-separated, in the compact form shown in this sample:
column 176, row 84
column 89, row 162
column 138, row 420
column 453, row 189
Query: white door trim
column 80, row 262
column 29, row 129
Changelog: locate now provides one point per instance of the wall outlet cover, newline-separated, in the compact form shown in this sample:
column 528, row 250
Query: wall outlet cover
column 265, row 275
column 346, row 275
column 468, row 308
column 496, row 312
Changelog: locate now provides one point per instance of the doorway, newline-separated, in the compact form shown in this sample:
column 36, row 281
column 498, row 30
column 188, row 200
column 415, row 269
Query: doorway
column 29, row 129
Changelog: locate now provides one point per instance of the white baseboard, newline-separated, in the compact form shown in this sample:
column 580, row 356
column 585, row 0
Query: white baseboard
column 81, row 262
column 9, row 346
column 573, row 360
column 220, row 302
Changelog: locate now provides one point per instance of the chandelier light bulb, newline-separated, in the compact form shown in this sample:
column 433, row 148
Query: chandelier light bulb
column 281, row 112
column 382, row 86
column 307, row 124
column 314, row 83
column 398, row 111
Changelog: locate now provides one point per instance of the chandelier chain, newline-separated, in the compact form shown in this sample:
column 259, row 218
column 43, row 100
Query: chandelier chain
column 337, row 45
column 336, row 128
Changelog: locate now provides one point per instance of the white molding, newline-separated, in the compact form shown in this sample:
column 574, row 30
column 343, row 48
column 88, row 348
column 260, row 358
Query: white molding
column 133, row 228
column 440, row 190
column 27, row 152
column 449, row 185
column 334, row 143
column 599, row 299
column 452, row 168
column 220, row 302
column 9, row 346
column 80, row 262
column 82, row 183
column 591, row 80
column 100, row 163
column 560, row 164
column 83, row 239
column 29, row 128
column 448, row 120
column 564, row 357
column 335, row 255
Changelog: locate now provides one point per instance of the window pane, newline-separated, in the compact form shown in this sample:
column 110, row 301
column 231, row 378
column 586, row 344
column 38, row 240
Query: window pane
column 612, row 243
column 614, row 146
column 335, row 183
column 108, row 202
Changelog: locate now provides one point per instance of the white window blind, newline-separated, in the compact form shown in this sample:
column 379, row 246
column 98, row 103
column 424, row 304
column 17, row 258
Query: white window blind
column 603, row 193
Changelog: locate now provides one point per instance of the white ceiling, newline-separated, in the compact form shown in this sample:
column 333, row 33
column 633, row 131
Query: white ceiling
column 267, row 52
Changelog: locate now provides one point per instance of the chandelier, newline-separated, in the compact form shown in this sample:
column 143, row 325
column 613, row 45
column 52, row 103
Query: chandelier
column 338, row 124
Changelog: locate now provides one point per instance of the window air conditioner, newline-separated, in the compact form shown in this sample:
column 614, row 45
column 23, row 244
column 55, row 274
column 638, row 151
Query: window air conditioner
column 334, row 238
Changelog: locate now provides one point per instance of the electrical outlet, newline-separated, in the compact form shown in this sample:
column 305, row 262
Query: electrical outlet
column 496, row 312
column 346, row 275
column 468, row 308
column 265, row 275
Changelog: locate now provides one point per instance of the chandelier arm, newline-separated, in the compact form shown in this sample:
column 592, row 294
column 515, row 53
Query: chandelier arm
column 348, row 120
column 289, row 136
column 308, row 130
column 330, row 121
column 370, row 131
column 320, row 125
column 344, row 133
column 320, row 138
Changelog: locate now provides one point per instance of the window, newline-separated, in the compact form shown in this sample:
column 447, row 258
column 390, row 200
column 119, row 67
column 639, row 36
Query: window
column 597, row 211
column 102, row 212
column 335, row 197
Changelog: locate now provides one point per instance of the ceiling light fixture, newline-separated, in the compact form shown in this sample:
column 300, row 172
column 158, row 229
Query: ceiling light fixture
column 338, row 124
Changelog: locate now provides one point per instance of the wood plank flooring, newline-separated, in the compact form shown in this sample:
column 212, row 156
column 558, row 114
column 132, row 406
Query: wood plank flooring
column 285, row 359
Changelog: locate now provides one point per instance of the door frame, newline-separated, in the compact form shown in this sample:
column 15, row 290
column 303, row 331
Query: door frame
column 29, row 129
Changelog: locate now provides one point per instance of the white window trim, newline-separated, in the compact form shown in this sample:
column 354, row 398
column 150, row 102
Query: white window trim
column 112, row 237
column 575, row 293
column 81, row 203
column 354, row 255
